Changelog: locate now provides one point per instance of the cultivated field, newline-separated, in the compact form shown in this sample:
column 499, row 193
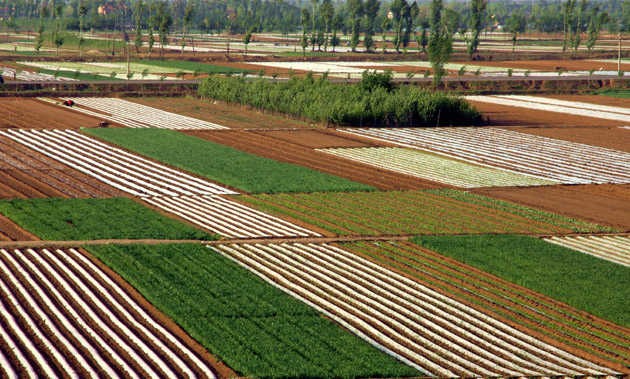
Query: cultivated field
column 63, row 316
column 566, row 162
column 36, row 114
column 612, row 248
column 451, row 340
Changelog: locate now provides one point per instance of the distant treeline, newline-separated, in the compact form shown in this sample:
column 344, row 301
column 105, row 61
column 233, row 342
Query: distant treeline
column 373, row 102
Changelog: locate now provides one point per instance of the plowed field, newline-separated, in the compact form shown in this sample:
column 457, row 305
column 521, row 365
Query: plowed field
column 30, row 113
column 25, row 173
column 277, row 149
column 605, row 204
column 609, row 137
column 9, row 231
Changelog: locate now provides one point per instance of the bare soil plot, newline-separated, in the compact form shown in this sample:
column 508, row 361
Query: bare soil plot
column 230, row 116
column 25, row 173
column 65, row 315
column 36, row 114
column 9, row 231
column 504, row 115
column 317, row 139
column 608, row 137
column 268, row 147
column 550, row 65
column 605, row 204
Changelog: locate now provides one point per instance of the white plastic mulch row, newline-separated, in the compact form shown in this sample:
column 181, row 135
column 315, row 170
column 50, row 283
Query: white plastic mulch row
column 615, row 249
column 439, row 169
column 9, row 72
column 543, row 157
column 228, row 218
column 558, row 106
column 436, row 334
column 140, row 116
column 101, row 331
column 125, row 171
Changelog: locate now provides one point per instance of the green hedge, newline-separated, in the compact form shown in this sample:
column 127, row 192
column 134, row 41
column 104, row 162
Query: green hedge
column 345, row 104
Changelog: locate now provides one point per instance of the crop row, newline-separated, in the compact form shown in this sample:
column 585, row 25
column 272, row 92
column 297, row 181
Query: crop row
column 611, row 248
column 237, row 169
column 254, row 328
column 125, row 171
column 62, row 316
column 9, row 72
column 528, row 310
column 436, row 334
column 559, row 106
column 436, row 168
column 56, row 219
column 548, row 158
column 226, row 217
column 139, row 116
column 414, row 212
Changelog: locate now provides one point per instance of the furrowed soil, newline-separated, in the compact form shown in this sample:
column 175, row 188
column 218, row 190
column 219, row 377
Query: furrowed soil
column 37, row 114
column 263, row 145
column 604, row 204
column 9, row 231
column 550, row 65
column 608, row 137
column 236, row 117
column 504, row 115
column 25, row 173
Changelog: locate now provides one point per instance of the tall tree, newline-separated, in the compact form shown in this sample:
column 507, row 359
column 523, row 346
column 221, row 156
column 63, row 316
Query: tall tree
column 166, row 21
column 82, row 13
column 477, row 8
column 597, row 20
column 189, row 12
column 39, row 42
column 355, row 9
column 58, row 37
column 314, row 25
column 567, row 21
column 515, row 25
column 398, row 8
column 440, row 42
column 247, row 38
column 386, row 24
column 305, row 16
column 575, row 42
column 327, row 11
column 371, row 11
column 337, row 21
column 139, row 10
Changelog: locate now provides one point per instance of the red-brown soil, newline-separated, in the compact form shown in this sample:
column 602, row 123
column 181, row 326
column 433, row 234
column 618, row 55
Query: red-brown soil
column 503, row 115
column 594, row 99
column 608, row 137
column 25, row 173
column 317, row 139
column 605, row 204
column 286, row 152
column 37, row 114
column 9, row 231
column 551, row 65
column 232, row 116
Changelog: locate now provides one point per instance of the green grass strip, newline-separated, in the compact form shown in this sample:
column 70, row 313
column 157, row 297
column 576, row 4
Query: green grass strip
column 193, row 66
column 237, row 169
column 580, row 280
column 253, row 327
column 90, row 219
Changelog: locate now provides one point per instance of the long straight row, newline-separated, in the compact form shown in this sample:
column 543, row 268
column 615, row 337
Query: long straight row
column 140, row 116
column 563, row 161
column 122, row 170
column 438, row 335
column 62, row 316
column 611, row 248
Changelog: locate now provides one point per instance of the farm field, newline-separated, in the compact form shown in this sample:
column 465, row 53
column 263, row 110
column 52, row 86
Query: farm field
column 94, row 219
column 9, row 231
column 542, row 157
column 604, row 204
column 597, row 286
column 64, row 316
column 615, row 249
column 26, row 173
column 614, row 137
column 414, row 212
column 122, row 170
column 224, row 164
column 233, row 117
column 451, row 339
column 31, row 113
column 134, row 115
column 436, row 168
column 254, row 328
column 289, row 146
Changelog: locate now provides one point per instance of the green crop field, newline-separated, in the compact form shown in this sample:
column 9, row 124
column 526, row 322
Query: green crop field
column 253, row 327
column 91, row 219
column 585, row 282
column 224, row 164
column 415, row 212
column 193, row 66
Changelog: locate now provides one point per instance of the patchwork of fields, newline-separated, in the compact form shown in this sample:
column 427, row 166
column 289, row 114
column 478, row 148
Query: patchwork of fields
column 312, row 253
